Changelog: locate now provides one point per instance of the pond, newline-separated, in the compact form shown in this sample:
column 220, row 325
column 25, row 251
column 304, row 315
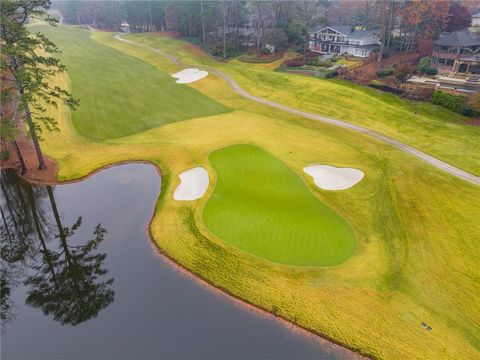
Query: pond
column 81, row 279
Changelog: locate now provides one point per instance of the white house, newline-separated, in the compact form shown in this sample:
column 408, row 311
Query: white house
column 344, row 40
column 476, row 20
column 125, row 27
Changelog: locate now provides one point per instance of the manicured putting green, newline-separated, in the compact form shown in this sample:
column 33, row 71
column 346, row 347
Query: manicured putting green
column 261, row 206
column 119, row 94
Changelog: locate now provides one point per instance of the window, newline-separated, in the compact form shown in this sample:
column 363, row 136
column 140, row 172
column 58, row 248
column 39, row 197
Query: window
column 450, row 62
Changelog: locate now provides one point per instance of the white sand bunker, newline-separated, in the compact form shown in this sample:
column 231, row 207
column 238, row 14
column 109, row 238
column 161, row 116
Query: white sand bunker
column 189, row 75
column 332, row 178
column 193, row 184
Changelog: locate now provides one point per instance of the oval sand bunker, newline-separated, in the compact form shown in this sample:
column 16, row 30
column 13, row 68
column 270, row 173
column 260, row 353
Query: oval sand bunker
column 187, row 76
column 194, row 183
column 328, row 177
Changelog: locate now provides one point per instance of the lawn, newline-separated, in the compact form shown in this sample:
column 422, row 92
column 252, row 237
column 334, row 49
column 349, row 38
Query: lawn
column 416, row 228
column 120, row 95
column 261, row 206
column 429, row 128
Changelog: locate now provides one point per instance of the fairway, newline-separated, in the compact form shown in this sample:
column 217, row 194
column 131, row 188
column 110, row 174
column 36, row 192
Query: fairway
column 399, row 231
column 121, row 95
column 424, row 126
column 262, row 207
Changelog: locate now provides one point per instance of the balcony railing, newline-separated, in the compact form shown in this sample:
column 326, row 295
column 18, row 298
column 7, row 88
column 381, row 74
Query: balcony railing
column 326, row 41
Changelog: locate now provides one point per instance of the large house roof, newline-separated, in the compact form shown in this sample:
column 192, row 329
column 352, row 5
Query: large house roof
column 349, row 31
column 458, row 38
column 477, row 15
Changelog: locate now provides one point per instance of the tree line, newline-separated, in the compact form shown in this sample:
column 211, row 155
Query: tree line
column 224, row 26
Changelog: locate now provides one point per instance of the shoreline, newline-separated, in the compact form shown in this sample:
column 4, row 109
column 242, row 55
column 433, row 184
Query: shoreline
column 329, row 343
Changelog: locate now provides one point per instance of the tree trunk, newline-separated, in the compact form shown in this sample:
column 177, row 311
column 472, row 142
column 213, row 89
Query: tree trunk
column 224, row 10
column 150, row 16
column 259, row 26
column 36, row 143
column 390, row 23
column 202, row 15
column 382, row 47
column 305, row 42
column 23, row 168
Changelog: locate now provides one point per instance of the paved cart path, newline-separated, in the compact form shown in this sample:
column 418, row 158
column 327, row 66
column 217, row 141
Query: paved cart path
column 452, row 170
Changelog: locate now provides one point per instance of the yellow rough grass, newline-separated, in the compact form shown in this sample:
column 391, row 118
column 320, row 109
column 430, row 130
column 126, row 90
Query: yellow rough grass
column 417, row 228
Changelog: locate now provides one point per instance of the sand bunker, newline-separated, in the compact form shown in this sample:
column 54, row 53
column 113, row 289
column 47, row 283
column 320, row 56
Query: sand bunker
column 189, row 75
column 332, row 178
column 193, row 184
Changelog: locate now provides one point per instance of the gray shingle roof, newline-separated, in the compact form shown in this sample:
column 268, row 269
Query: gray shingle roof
column 349, row 31
column 458, row 38
column 477, row 15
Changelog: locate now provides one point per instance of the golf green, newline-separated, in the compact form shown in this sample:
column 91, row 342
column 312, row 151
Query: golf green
column 119, row 94
column 261, row 206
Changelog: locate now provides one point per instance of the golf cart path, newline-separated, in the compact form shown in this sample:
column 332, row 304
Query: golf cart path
column 452, row 170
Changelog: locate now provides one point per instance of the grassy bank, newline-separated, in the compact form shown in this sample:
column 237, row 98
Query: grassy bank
column 416, row 227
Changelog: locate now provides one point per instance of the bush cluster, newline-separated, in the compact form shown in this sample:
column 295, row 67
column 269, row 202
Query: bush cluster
column 295, row 62
column 298, row 61
column 402, row 71
column 259, row 60
column 455, row 103
column 474, row 102
column 331, row 74
column 323, row 62
column 380, row 86
column 4, row 154
column 425, row 61
column 428, row 70
column 385, row 72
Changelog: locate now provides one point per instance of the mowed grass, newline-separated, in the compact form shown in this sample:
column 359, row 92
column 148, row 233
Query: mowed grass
column 416, row 227
column 261, row 206
column 121, row 95
column 427, row 127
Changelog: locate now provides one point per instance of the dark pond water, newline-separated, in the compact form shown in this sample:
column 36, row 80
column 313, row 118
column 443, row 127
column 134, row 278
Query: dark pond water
column 82, row 280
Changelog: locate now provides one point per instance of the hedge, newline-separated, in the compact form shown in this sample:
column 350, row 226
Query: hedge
column 295, row 62
column 376, row 85
column 258, row 60
column 428, row 70
column 331, row 74
column 384, row 72
column 455, row 103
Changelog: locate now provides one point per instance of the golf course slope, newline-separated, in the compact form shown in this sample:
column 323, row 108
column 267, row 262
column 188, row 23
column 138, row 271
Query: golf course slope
column 410, row 231
column 264, row 208
column 119, row 94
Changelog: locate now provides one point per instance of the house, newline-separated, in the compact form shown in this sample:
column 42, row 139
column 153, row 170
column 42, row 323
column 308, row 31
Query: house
column 344, row 40
column 476, row 20
column 457, row 52
column 125, row 27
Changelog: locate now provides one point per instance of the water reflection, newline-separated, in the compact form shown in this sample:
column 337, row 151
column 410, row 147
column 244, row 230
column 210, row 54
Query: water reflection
column 54, row 275
column 65, row 281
